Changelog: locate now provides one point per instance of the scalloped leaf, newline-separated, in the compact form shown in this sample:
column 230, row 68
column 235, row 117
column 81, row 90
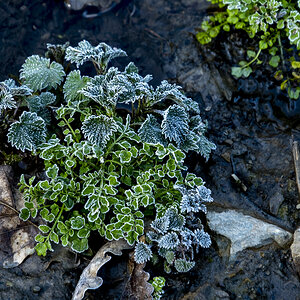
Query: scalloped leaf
column 98, row 89
column 150, row 131
column 99, row 129
column 173, row 92
column 74, row 83
column 39, row 73
column 142, row 253
column 175, row 124
column 6, row 98
column 100, row 55
column 27, row 133
column 183, row 265
column 38, row 104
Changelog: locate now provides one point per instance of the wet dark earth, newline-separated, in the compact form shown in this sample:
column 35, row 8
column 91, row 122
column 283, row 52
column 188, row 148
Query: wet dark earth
column 251, row 121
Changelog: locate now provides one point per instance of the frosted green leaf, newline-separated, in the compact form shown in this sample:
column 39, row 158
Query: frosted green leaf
column 80, row 245
column 99, row 129
column 74, row 83
column 169, row 241
column 182, row 265
column 77, row 222
column 142, row 253
column 150, row 131
column 6, row 98
column 100, row 55
column 39, row 73
column 24, row 214
column 175, row 124
column 27, row 133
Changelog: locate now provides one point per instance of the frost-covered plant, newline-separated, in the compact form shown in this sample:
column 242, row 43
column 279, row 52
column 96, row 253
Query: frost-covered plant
column 178, row 232
column 113, row 155
column 269, row 22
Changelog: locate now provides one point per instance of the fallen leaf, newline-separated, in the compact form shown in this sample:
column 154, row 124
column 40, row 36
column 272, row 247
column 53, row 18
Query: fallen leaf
column 89, row 279
column 138, row 287
column 16, row 237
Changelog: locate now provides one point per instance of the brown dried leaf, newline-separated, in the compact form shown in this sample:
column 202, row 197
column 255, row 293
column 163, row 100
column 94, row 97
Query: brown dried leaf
column 16, row 236
column 138, row 287
column 89, row 279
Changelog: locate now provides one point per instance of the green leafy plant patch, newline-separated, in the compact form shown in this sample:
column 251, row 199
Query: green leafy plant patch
column 274, row 25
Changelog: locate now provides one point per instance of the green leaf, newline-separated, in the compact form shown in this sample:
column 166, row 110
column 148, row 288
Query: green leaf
column 150, row 131
column 54, row 237
column 125, row 156
column 39, row 238
column 175, row 124
column 74, row 83
column 296, row 64
column 80, row 245
column 62, row 227
column 44, row 228
column 39, row 73
column 251, row 53
column 237, row 72
column 88, row 190
column 113, row 180
column 246, row 71
column 274, row 61
column 41, row 249
column 99, row 129
column 64, row 240
column 24, row 214
column 27, row 133
column 83, row 233
column 77, row 222
column 52, row 172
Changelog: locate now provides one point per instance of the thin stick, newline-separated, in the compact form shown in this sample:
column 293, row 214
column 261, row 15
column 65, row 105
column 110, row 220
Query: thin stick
column 296, row 157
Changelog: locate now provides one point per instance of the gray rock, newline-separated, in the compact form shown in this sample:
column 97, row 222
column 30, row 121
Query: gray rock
column 295, row 249
column 275, row 201
column 245, row 231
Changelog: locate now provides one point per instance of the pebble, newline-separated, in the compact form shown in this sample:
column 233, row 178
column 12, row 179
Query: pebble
column 36, row 289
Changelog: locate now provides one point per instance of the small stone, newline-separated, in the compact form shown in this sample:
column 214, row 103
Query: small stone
column 275, row 201
column 298, row 206
column 245, row 231
column 267, row 273
column 36, row 289
column 226, row 156
column 9, row 284
column 228, row 142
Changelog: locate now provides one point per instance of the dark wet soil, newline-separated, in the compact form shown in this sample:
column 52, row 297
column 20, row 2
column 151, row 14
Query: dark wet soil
column 250, row 120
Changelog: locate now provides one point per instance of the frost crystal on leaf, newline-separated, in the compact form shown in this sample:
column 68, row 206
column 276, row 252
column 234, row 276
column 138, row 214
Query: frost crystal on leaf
column 169, row 241
column 27, row 133
column 142, row 253
column 161, row 225
column 100, row 55
column 39, row 73
column 192, row 199
column 175, row 124
column 99, row 129
column 150, row 131
column 38, row 104
column 173, row 92
column 203, row 238
column 182, row 265
column 74, row 83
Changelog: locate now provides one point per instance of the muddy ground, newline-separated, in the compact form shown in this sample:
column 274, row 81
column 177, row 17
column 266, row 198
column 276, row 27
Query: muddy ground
column 251, row 121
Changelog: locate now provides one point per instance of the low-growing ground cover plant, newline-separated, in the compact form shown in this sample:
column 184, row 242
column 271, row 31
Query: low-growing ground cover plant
column 275, row 25
column 113, row 148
